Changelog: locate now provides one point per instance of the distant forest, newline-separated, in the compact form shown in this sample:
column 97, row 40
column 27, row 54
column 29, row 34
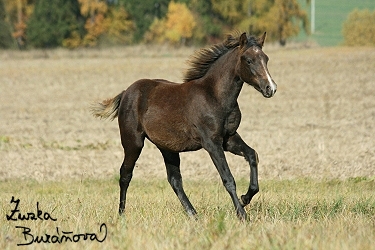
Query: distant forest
column 90, row 23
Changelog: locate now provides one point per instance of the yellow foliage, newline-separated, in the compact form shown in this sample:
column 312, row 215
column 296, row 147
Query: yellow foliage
column 178, row 26
column 74, row 41
column 280, row 18
column 180, row 20
column 90, row 7
column 228, row 9
column 96, row 23
column 156, row 32
column 18, row 13
column 102, row 20
column 120, row 26
column 359, row 29
column 95, row 26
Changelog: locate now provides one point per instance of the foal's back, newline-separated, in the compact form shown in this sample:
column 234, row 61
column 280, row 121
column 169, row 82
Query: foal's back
column 166, row 113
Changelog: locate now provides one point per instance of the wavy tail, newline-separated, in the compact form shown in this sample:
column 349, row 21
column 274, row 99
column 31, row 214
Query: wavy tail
column 107, row 108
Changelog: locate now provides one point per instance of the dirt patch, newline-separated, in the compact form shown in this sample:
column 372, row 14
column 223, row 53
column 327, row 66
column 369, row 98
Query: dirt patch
column 320, row 123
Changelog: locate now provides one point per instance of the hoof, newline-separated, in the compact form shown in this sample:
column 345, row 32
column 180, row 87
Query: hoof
column 241, row 215
column 244, row 200
column 121, row 211
column 192, row 214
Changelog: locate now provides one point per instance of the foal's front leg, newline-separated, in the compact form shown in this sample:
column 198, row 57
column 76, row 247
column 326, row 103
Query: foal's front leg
column 218, row 157
column 236, row 145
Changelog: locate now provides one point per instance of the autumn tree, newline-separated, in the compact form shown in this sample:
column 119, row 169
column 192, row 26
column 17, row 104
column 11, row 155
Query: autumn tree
column 94, row 11
column 19, row 12
column 280, row 18
column 231, row 10
column 175, row 28
column 144, row 13
column 103, row 22
column 209, row 28
column 359, row 29
column 121, row 27
column 179, row 24
column 52, row 21
column 6, row 40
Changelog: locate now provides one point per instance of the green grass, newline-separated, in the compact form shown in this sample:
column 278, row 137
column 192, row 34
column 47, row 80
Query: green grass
column 330, row 16
column 288, row 214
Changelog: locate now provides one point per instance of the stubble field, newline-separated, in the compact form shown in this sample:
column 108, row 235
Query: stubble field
column 315, row 140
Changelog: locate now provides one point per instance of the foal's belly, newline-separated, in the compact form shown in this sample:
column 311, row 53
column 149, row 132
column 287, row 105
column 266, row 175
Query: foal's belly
column 171, row 138
column 171, row 131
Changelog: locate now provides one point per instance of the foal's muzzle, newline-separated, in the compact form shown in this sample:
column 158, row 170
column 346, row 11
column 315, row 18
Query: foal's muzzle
column 270, row 90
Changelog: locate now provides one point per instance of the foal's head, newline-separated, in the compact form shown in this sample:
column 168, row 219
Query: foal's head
column 252, row 65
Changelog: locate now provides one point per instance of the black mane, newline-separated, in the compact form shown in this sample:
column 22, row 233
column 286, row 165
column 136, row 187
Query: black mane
column 201, row 60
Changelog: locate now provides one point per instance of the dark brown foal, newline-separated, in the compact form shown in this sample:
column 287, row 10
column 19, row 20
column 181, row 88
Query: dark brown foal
column 202, row 112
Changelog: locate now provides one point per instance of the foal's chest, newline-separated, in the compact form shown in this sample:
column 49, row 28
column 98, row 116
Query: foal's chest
column 232, row 122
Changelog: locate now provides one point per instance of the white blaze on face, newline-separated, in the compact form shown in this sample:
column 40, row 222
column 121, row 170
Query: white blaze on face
column 270, row 81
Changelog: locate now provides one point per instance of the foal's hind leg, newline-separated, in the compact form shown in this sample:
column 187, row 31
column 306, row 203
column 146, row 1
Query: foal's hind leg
column 236, row 145
column 172, row 163
column 132, row 150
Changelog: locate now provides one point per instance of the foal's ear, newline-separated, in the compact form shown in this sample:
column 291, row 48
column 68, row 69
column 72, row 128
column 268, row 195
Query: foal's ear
column 243, row 40
column 262, row 38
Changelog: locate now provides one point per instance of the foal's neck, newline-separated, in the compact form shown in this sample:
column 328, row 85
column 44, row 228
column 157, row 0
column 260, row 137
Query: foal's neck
column 224, row 80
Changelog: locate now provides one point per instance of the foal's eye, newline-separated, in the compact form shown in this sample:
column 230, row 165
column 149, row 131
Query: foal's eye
column 246, row 59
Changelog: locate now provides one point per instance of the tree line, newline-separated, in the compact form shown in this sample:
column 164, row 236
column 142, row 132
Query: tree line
column 90, row 23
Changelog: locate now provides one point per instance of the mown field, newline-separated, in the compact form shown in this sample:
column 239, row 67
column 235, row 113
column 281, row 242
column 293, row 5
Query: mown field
column 295, row 214
column 315, row 140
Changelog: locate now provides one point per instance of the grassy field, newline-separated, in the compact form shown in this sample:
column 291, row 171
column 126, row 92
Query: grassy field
column 330, row 16
column 298, row 214
column 315, row 140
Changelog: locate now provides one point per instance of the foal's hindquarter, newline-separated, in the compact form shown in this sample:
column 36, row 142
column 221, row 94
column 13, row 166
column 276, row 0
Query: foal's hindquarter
column 185, row 117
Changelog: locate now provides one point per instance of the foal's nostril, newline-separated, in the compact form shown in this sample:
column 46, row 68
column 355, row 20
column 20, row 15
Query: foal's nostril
column 268, row 89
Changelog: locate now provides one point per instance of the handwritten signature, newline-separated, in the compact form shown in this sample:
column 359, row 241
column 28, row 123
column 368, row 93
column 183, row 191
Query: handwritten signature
column 55, row 238
column 29, row 216
column 61, row 238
